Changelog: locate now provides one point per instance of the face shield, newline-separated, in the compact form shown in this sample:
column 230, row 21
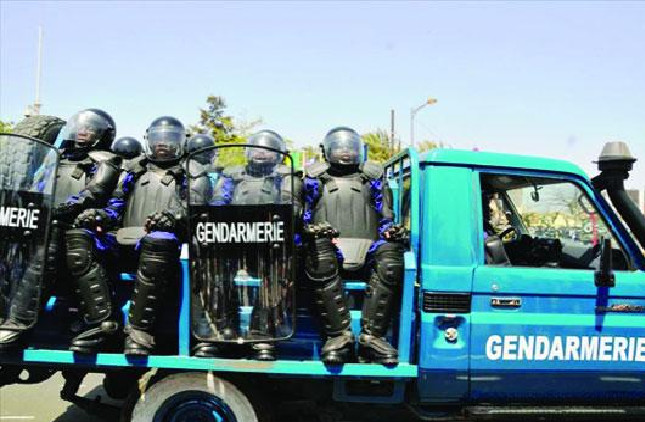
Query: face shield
column 343, row 147
column 263, row 157
column 165, row 143
column 85, row 129
column 200, row 141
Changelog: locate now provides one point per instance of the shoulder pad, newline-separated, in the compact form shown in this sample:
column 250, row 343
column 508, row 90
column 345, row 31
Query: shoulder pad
column 372, row 170
column 286, row 170
column 235, row 172
column 103, row 156
column 316, row 169
column 135, row 165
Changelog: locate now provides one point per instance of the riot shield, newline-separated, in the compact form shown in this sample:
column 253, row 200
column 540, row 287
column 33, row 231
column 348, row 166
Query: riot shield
column 241, row 226
column 27, row 180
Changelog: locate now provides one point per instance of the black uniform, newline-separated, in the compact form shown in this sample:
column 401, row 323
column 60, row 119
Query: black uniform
column 87, row 175
column 155, row 200
column 261, row 181
column 352, row 200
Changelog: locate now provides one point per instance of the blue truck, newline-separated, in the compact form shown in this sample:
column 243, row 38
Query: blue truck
column 523, row 296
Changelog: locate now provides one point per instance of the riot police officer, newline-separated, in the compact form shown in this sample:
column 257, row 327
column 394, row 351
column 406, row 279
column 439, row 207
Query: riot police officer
column 87, row 175
column 263, row 180
column 127, row 147
column 346, row 197
column 203, row 162
column 150, row 207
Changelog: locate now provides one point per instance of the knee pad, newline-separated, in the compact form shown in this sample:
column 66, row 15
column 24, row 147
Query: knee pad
column 80, row 247
column 389, row 263
column 159, row 255
column 321, row 262
column 53, row 249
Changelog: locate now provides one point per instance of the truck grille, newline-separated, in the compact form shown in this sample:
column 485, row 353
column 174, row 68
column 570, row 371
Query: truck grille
column 458, row 303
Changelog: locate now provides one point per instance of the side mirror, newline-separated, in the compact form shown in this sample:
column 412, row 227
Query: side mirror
column 604, row 276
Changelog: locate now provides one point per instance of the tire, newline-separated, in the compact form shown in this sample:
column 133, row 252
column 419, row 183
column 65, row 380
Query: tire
column 45, row 128
column 191, row 396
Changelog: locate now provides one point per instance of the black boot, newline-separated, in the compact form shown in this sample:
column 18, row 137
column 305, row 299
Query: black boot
column 379, row 305
column 94, row 294
column 321, row 268
column 339, row 346
column 157, row 266
column 262, row 326
column 215, row 308
column 23, row 308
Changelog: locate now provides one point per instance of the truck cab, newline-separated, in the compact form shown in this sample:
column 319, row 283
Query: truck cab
column 509, row 303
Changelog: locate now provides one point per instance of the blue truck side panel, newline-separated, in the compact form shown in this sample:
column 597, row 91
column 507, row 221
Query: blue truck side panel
column 447, row 261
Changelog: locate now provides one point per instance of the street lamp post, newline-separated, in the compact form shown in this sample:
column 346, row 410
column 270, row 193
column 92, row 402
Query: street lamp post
column 413, row 113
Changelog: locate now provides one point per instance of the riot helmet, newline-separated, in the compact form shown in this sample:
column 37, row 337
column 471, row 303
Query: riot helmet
column 165, row 139
column 343, row 146
column 127, row 147
column 89, row 129
column 200, row 141
column 261, row 159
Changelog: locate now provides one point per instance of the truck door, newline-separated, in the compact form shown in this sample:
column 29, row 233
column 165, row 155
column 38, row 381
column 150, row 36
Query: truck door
column 540, row 328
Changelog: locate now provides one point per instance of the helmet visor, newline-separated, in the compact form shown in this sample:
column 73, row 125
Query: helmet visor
column 165, row 143
column 85, row 129
column 261, row 156
column 343, row 147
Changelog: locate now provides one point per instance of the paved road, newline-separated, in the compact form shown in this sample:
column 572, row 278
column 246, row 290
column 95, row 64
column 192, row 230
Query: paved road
column 41, row 403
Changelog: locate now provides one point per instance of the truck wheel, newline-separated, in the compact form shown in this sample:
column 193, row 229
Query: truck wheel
column 45, row 128
column 193, row 396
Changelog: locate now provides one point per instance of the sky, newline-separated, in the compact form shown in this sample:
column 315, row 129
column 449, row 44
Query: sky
column 555, row 79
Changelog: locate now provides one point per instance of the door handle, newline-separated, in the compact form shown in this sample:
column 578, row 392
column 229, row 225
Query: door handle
column 506, row 302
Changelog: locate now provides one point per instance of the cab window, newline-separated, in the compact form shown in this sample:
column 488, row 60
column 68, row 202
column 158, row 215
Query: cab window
column 542, row 222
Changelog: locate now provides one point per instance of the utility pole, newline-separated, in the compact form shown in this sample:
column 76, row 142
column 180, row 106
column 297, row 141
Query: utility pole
column 34, row 110
column 391, row 146
column 39, row 71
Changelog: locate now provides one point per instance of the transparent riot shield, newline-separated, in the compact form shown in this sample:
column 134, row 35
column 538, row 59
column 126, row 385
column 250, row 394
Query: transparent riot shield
column 27, row 180
column 242, row 244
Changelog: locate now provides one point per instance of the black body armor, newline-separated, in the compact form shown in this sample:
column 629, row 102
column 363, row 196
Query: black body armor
column 156, row 190
column 347, row 203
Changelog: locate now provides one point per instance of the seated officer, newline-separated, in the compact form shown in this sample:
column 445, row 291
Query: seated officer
column 262, row 181
column 150, row 205
column 346, row 196
column 86, row 177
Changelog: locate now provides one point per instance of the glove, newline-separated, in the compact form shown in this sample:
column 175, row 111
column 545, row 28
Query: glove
column 396, row 234
column 66, row 212
column 94, row 219
column 160, row 222
column 319, row 231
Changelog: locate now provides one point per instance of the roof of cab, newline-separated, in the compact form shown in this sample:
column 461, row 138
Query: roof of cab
column 492, row 159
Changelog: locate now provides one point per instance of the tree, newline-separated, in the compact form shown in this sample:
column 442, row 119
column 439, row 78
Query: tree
column 216, row 122
column 6, row 127
column 424, row 146
column 378, row 146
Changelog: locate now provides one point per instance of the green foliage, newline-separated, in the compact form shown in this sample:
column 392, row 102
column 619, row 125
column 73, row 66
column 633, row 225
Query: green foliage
column 216, row 122
column 310, row 152
column 379, row 148
column 6, row 127
column 424, row 146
